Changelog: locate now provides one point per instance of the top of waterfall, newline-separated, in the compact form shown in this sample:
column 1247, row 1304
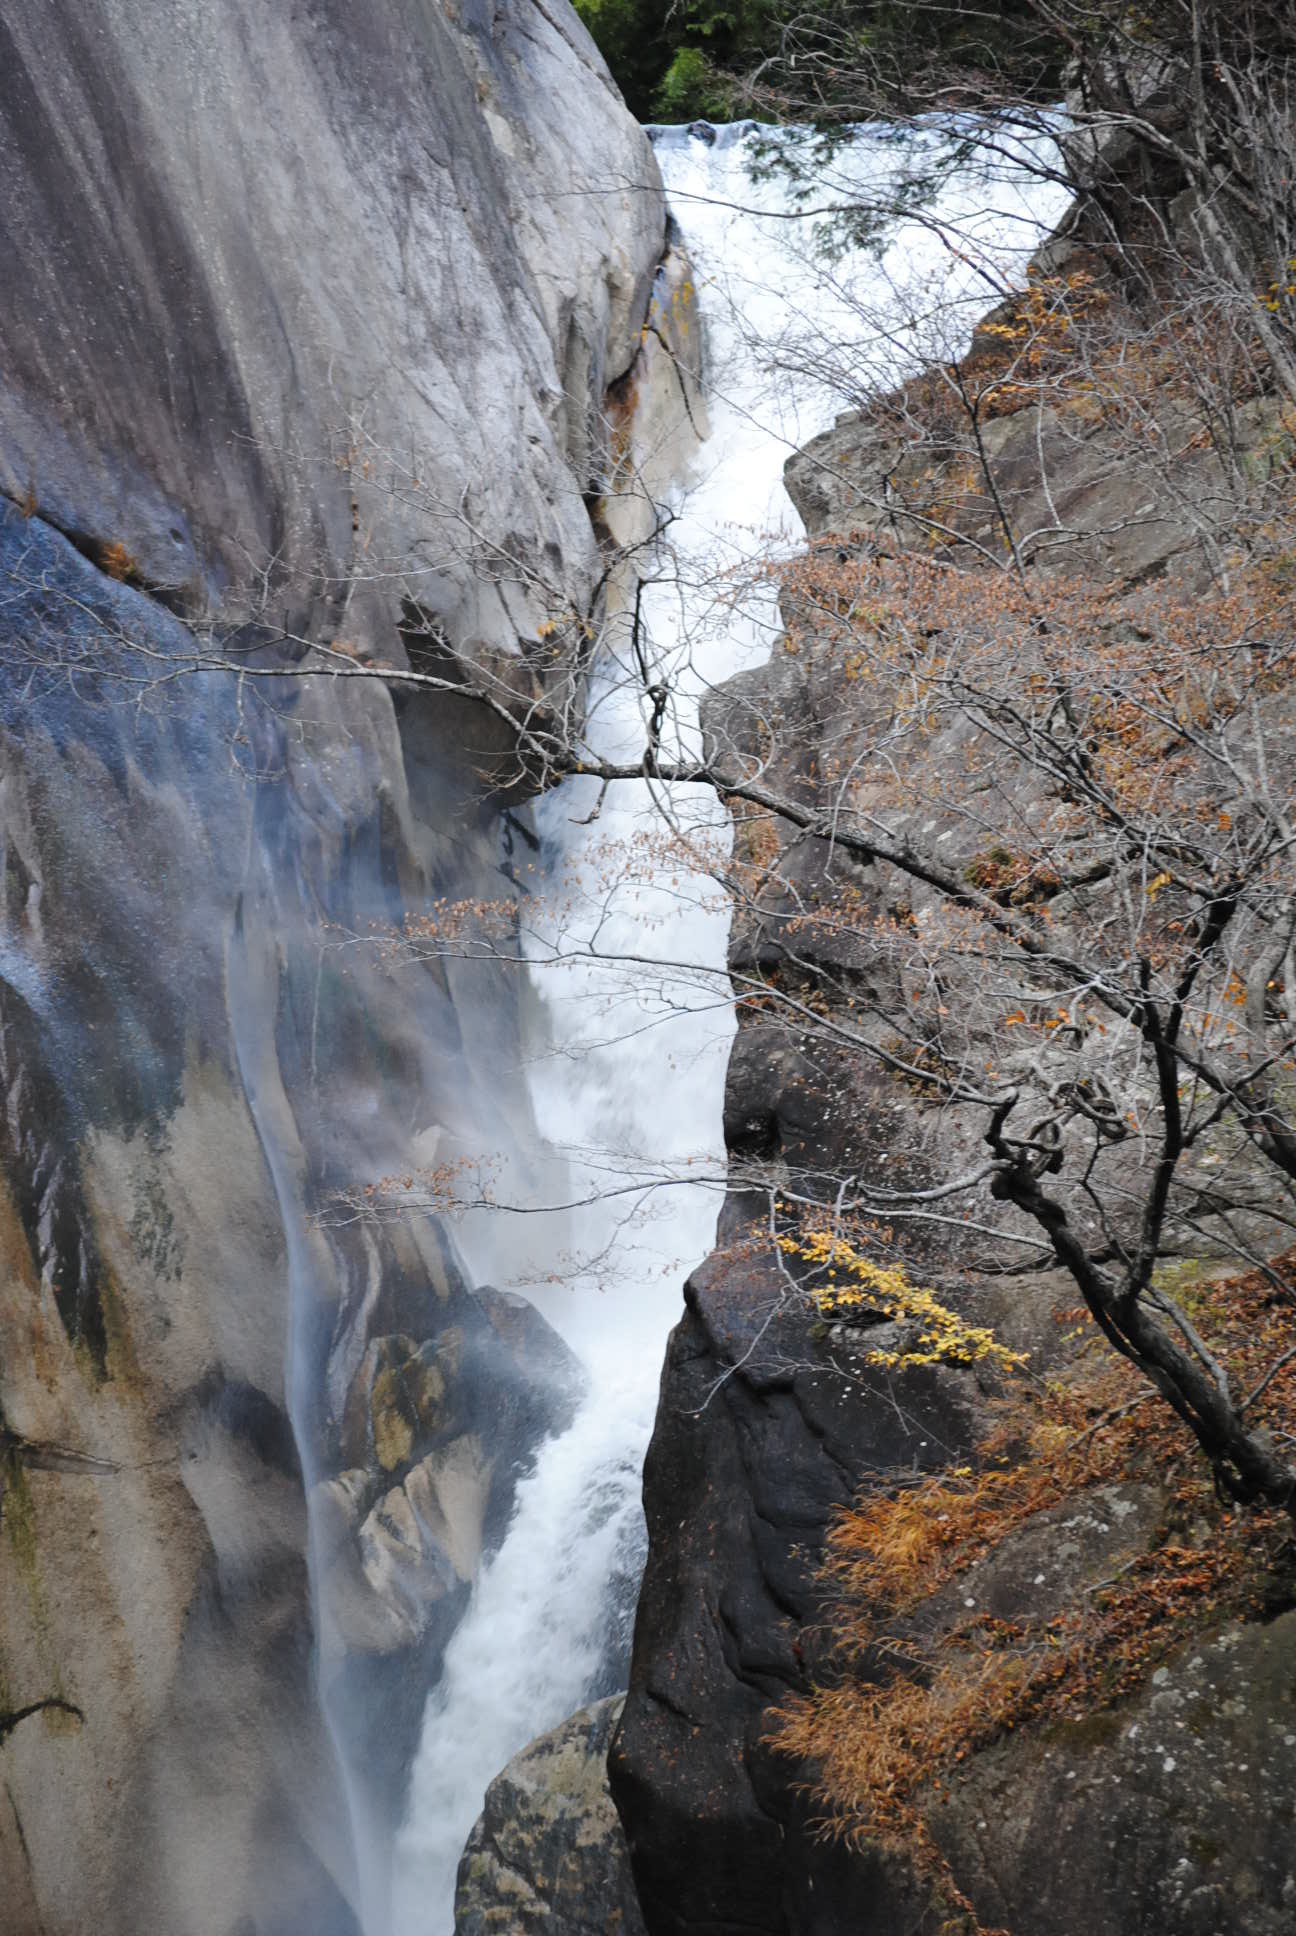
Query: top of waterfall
column 715, row 134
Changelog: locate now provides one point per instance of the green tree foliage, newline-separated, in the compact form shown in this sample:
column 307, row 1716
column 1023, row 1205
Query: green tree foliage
column 680, row 59
column 670, row 57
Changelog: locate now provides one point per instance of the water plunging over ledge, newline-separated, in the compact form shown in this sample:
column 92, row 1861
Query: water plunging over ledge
column 629, row 1084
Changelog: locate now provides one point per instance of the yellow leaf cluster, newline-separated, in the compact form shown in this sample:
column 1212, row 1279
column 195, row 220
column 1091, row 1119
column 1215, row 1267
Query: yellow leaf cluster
column 853, row 1283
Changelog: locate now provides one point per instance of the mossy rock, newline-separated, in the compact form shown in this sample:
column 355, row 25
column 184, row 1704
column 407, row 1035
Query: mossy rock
column 397, row 1404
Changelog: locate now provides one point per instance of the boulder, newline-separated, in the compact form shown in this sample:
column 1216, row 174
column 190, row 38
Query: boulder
column 396, row 1400
column 764, row 1431
column 547, row 1854
column 1175, row 1812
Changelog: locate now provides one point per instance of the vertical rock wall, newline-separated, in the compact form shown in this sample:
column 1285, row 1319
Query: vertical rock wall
column 312, row 315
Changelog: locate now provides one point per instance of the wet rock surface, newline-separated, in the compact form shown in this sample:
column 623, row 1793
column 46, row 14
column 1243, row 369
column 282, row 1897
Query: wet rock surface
column 295, row 291
column 548, row 1851
column 191, row 1074
column 451, row 1426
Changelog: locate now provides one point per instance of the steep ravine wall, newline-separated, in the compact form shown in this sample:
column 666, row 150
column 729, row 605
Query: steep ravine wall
column 1169, row 1809
column 312, row 318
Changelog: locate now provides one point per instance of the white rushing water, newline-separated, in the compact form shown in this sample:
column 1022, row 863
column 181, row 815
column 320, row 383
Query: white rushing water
column 631, row 1086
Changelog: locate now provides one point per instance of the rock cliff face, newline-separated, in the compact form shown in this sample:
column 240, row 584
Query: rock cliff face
column 291, row 285
column 769, row 1423
column 311, row 316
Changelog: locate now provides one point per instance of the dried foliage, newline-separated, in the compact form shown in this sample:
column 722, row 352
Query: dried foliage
column 920, row 1680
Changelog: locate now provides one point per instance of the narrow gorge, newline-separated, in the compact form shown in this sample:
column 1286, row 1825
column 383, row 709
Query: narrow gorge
column 546, row 750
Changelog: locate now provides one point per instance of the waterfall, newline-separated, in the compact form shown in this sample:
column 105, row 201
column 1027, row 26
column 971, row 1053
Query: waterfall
column 628, row 1081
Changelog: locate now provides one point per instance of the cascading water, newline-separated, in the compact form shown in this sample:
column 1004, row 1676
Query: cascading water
column 629, row 964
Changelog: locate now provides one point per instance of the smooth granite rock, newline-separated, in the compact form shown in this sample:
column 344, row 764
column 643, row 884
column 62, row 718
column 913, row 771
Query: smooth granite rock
column 306, row 303
column 309, row 315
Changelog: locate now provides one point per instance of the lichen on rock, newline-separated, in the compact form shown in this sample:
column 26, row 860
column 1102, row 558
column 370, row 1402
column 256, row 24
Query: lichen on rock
column 547, row 1853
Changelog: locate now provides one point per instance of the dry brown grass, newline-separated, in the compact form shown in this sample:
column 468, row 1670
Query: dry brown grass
column 916, row 1685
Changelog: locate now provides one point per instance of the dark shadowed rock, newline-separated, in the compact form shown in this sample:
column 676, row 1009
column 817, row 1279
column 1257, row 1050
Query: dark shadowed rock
column 1169, row 1811
column 763, row 1432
